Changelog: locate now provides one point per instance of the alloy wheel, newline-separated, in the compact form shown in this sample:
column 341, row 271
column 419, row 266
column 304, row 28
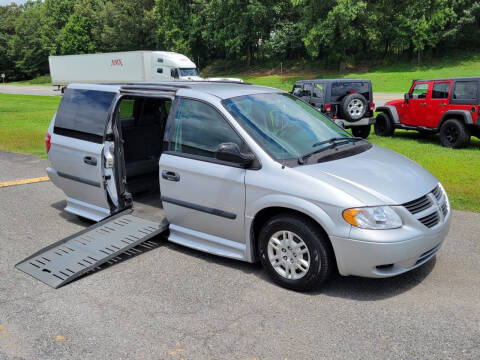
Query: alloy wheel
column 289, row 255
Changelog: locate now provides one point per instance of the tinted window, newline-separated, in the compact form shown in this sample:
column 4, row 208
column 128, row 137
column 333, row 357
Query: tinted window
column 307, row 89
column 126, row 108
column 188, row 72
column 420, row 91
column 297, row 90
column 199, row 129
column 318, row 90
column 440, row 90
column 465, row 90
column 342, row 88
column 84, row 110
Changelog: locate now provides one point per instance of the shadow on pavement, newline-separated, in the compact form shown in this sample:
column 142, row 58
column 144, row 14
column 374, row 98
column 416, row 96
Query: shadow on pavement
column 349, row 287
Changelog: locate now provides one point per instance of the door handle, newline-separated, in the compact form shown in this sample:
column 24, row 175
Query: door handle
column 170, row 175
column 442, row 104
column 423, row 104
column 90, row 160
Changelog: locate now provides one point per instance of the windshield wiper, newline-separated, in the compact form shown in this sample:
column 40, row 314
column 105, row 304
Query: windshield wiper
column 333, row 144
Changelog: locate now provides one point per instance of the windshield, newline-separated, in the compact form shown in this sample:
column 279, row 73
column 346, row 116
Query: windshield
column 283, row 125
column 188, row 72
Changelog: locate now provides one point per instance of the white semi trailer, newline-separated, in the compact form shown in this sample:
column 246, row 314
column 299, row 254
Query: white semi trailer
column 121, row 67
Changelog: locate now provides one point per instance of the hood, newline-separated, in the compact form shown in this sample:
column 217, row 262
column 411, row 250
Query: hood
column 395, row 102
column 375, row 177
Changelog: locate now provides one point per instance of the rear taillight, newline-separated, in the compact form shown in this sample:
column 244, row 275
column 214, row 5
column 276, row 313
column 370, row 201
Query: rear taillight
column 328, row 107
column 48, row 139
column 372, row 106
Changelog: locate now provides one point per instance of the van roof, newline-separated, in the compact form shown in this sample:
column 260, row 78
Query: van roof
column 220, row 89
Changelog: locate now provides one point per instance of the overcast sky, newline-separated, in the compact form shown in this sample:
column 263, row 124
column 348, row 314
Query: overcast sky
column 8, row 2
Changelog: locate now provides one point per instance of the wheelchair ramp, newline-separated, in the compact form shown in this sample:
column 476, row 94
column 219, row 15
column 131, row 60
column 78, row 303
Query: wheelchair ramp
column 72, row 257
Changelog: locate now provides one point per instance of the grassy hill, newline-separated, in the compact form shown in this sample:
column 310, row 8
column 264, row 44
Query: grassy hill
column 390, row 78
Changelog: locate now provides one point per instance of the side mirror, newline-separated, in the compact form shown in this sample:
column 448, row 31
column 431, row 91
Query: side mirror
column 407, row 97
column 230, row 152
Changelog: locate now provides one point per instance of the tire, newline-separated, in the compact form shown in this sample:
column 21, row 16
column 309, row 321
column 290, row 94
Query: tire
column 309, row 240
column 361, row 131
column 354, row 107
column 384, row 125
column 454, row 134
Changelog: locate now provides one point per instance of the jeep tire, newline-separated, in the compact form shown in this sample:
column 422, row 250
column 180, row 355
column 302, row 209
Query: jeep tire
column 384, row 125
column 354, row 107
column 454, row 134
column 361, row 131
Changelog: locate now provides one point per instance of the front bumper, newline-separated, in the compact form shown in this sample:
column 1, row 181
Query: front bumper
column 378, row 259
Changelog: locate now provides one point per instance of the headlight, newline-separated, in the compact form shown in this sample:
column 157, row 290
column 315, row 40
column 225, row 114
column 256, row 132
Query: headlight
column 375, row 218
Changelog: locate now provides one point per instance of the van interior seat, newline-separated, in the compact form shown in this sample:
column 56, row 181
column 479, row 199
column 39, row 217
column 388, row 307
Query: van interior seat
column 143, row 139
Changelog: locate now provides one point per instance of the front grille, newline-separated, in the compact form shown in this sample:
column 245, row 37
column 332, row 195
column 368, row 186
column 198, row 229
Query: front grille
column 418, row 205
column 430, row 220
column 437, row 192
column 444, row 208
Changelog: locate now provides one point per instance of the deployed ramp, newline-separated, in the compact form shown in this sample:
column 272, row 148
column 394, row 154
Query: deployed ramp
column 67, row 259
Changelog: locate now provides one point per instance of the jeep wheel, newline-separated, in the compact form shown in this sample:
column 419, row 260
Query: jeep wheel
column 383, row 125
column 361, row 131
column 454, row 134
column 295, row 252
column 354, row 107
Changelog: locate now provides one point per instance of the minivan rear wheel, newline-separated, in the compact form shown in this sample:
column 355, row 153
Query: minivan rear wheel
column 295, row 252
column 454, row 134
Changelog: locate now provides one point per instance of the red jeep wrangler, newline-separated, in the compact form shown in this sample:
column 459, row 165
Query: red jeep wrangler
column 448, row 106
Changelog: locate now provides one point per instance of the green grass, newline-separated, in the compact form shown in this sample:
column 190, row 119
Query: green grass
column 24, row 121
column 393, row 78
column 44, row 80
column 457, row 169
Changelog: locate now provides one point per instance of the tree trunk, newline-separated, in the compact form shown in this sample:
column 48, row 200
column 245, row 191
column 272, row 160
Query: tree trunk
column 249, row 55
column 419, row 56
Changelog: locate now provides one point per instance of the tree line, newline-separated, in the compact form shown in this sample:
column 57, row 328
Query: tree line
column 334, row 31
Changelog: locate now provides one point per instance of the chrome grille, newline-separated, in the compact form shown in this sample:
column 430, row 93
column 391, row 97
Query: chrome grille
column 430, row 220
column 418, row 205
column 425, row 209
column 437, row 192
column 444, row 208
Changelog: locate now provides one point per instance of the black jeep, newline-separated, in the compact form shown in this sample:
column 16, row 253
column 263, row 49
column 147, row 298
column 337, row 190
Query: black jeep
column 349, row 102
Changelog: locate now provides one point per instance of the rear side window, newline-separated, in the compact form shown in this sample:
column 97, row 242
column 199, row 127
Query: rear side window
column 84, row 111
column 199, row 129
column 297, row 90
column 318, row 90
column 440, row 90
column 465, row 90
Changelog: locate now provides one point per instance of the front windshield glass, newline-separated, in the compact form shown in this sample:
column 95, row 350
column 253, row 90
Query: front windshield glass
column 283, row 125
column 188, row 72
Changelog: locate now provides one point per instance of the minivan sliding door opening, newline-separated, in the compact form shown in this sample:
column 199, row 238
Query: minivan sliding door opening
column 142, row 124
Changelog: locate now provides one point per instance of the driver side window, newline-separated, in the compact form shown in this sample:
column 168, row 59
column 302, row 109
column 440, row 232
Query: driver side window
column 198, row 129
column 420, row 91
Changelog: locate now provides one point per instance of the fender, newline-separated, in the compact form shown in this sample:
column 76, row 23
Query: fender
column 464, row 114
column 391, row 111
column 289, row 203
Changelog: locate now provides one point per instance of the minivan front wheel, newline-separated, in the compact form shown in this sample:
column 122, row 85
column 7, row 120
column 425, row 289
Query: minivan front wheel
column 295, row 253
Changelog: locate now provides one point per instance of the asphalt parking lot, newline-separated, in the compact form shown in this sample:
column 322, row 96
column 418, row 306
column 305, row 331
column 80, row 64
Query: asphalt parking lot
column 176, row 303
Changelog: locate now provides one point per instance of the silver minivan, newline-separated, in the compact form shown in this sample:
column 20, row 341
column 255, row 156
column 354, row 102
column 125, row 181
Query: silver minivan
column 247, row 172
